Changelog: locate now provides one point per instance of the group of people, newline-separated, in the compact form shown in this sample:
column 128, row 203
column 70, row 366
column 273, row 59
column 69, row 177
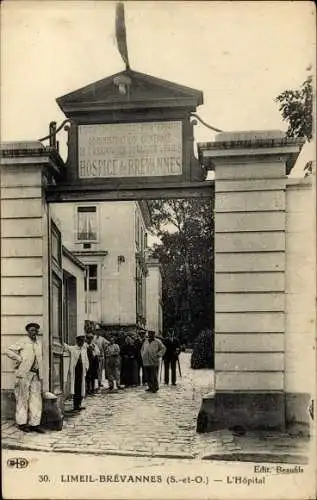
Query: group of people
column 126, row 362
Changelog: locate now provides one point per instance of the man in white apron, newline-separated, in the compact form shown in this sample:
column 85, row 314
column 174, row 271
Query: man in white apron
column 78, row 367
column 28, row 357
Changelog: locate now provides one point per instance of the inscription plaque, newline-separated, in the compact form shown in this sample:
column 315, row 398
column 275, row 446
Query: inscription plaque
column 146, row 149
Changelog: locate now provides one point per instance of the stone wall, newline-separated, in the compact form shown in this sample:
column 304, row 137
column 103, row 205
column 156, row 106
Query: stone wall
column 300, row 298
column 249, row 281
column 25, row 168
column 24, row 254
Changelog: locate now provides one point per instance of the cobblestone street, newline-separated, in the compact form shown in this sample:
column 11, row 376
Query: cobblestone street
column 137, row 423
column 133, row 420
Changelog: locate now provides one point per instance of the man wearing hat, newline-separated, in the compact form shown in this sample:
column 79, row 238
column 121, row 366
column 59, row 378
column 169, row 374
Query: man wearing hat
column 170, row 357
column 152, row 350
column 78, row 367
column 28, row 357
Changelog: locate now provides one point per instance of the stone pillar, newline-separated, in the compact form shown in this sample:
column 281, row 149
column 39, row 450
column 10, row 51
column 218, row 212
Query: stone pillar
column 25, row 169
column 250, row 181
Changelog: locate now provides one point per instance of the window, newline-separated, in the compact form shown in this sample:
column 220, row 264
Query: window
column 91, row 277
column 56, row 308
column 65, row 310
column 140, row 295
column 69, row 308
column 137, row 231
column 57, row 375
column 144, row 297
column 56, row 245
column 87, row 223
column 141, row 239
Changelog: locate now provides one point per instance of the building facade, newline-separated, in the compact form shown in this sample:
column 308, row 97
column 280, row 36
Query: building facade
column 110, row 238
column 41, row 280
column 154, row 310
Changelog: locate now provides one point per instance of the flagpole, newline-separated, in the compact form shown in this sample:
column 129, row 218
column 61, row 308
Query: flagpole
column 121, row 34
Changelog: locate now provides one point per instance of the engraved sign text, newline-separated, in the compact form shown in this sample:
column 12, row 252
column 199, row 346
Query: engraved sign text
column 130, row 149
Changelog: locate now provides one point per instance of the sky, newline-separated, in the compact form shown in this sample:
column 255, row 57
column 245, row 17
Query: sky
column 241, row 55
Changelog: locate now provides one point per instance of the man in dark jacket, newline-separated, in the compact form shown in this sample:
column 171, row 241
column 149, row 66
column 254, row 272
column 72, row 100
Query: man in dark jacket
column 139, row 341
column 92, row 372
column 171, row 356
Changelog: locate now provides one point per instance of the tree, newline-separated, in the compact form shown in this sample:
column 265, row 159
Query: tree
column 296, row 107
column 203, row 352
column 185, row 228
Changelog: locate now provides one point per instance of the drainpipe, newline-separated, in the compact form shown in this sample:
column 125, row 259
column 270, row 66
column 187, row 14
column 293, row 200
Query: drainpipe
column 87, row 293
column 101, row 291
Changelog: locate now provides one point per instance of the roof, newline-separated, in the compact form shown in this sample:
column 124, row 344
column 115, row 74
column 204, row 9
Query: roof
column 146, row 213
column 72, row 257
column 29, row 152
column 144, row 91
column 258, row 142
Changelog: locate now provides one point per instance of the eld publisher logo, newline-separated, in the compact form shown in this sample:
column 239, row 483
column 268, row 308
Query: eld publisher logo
column 17, row 463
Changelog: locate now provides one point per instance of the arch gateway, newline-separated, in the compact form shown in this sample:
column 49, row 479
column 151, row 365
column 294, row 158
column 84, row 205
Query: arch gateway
column 130, row 137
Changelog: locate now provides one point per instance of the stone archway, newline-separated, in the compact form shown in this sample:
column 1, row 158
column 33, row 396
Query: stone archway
column 250, row 238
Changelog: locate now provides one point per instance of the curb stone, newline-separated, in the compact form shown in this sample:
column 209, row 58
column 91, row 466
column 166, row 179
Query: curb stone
column 16, row 446
column 258, row 458
column 83, row 450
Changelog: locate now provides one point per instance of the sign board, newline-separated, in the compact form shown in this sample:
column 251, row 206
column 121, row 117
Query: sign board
column 146, row 149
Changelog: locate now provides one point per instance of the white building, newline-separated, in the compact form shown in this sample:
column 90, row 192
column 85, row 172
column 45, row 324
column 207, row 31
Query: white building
column 154, row 313
column 111, row 239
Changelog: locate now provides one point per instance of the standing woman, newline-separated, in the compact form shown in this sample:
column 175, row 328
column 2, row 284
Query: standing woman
column 129, row 365
column 78, row 368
